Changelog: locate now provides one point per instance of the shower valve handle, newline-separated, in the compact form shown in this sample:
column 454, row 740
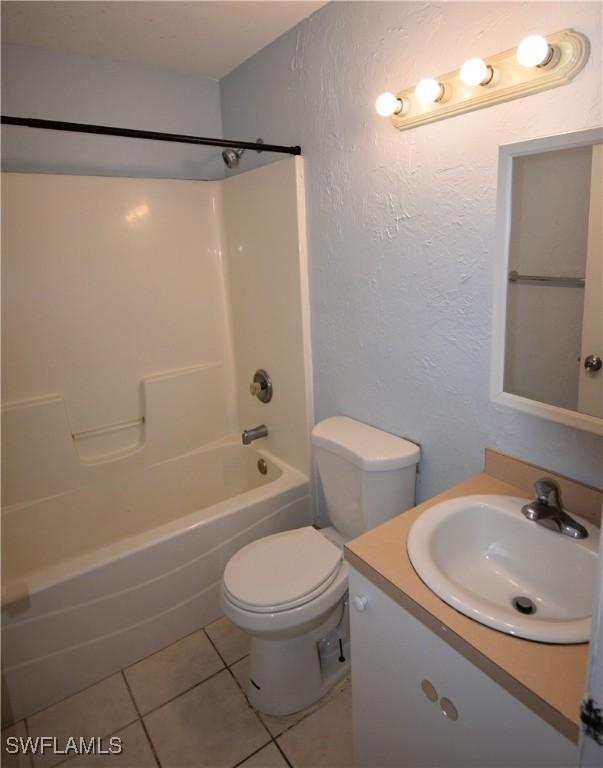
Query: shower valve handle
column 261, row 386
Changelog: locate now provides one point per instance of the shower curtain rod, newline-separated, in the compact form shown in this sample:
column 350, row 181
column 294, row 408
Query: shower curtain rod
column 132, row 133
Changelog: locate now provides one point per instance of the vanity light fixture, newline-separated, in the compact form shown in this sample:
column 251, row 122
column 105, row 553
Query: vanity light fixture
column 537, row 64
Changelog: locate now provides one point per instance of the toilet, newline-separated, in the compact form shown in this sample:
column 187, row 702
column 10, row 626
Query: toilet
column 289, row 590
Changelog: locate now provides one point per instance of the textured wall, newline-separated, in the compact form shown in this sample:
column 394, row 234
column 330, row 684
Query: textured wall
column 402, row 225
column 84, row 89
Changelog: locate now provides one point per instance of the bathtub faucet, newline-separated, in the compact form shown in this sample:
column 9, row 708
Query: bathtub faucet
column 249, row 435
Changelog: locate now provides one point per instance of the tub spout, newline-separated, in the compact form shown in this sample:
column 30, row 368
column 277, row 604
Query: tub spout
column 249, row 435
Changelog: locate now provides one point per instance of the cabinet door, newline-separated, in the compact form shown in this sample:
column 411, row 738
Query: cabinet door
column 395, row 723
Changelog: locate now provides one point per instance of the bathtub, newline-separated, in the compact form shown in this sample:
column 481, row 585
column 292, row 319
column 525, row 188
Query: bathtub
column 99, row 577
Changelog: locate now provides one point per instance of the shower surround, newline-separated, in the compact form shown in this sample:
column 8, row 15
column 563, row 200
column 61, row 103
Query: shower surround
column 135, row 312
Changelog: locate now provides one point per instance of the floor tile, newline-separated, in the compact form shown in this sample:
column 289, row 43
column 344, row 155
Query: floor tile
column 241, row 671
column 278, row 724
column 324, row 739
column 97, row 711
column 231, row 642
column 171, row 671
column 136, row 752
column 211, row 726
column 19, row 760
column 267, row 757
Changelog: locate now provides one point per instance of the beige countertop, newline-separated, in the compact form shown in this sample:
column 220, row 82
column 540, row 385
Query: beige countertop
column 549, row 679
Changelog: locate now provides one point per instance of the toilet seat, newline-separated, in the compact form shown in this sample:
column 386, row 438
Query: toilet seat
column 282, row 572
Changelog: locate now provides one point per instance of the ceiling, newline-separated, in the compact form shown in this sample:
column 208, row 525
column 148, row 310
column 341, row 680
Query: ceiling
column 205, row 38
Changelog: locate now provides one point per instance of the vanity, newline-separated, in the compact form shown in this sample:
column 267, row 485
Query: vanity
column 433, row 687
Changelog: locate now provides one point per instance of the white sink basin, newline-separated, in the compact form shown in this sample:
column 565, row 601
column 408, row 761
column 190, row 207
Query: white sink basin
column 479, row 553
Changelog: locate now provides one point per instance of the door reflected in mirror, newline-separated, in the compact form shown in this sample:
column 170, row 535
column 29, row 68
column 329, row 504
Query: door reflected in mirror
column 548, row 346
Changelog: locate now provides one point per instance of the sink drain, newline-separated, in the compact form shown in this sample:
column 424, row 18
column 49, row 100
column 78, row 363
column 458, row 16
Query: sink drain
column 524, row 605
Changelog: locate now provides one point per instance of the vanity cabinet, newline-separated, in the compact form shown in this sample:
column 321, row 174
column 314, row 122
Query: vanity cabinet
column 417, row 702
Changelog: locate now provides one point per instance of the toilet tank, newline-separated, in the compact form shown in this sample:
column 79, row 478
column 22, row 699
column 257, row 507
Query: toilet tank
column 367, row 475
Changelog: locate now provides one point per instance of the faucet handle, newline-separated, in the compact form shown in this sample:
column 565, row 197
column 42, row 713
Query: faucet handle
column 547, row 491
column 261, row 386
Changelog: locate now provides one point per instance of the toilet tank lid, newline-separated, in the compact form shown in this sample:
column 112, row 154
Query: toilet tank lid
column 369, row 448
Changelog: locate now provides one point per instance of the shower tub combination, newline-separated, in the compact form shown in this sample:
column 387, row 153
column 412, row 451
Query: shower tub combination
column 126, row 487
column 110, row 572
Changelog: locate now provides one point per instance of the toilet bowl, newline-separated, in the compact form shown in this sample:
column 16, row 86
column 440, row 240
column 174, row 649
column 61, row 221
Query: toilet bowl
column 288, row 591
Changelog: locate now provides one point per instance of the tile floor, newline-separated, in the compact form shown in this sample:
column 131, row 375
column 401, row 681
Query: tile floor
column 185, row 707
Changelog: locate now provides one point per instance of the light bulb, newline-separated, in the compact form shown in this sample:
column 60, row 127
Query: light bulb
column 429, row 90
column 476, row 72
column 533, row 51
column 388, row 104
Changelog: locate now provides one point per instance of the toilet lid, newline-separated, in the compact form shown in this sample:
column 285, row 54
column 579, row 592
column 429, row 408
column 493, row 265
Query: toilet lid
column 282, row 571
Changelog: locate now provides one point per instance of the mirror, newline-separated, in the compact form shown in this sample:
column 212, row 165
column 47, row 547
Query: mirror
column 548, row 318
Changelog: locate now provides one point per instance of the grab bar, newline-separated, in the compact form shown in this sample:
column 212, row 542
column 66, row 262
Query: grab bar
column 515, row 277
column 108, row 428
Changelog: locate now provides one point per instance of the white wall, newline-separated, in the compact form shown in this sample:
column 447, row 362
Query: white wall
column 401, row 226
column 267, row 278
column 113, row 309
column 106, row 281
column 122, row 299
column 83, row 89
column 549, row 232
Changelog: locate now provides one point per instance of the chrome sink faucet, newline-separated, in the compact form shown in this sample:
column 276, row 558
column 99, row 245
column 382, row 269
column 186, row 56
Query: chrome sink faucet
column 547, row 511
column 249, row 435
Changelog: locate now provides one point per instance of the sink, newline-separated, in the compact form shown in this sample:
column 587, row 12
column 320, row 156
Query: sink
column 483, row 557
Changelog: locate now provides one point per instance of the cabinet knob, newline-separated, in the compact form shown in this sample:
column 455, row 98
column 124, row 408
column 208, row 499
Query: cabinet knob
column 429, row 690
column 360, row 602
column 448, row 709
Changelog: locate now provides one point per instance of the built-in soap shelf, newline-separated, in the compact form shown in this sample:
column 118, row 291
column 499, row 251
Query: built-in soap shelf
column 43, row 455
column 111, row 442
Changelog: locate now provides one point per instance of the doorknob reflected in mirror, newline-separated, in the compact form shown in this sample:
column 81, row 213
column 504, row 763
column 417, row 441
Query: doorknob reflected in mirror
column 593, row 363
